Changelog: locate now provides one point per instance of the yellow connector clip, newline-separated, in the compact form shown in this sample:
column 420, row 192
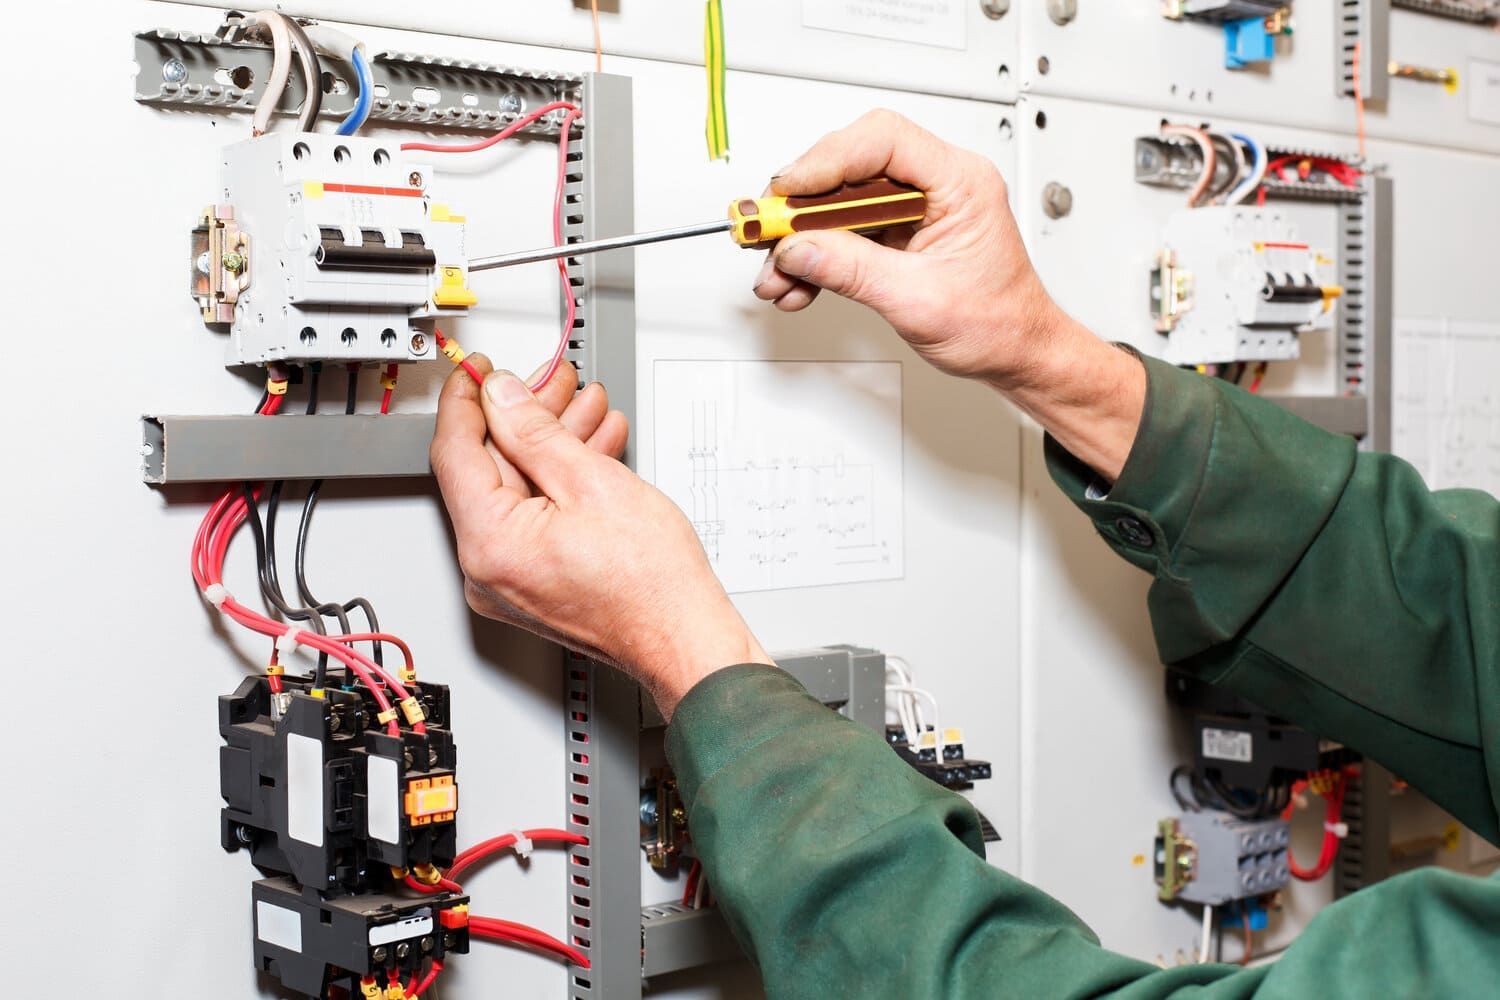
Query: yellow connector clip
column 451, row 290
column 387, row 381
column 426, row 874
column 389, row 715
column 451, row 350
column 399, row 874
column 315, row 693
column 370, row 989
column 407, row 674
column 395, row 991
column 413, row 711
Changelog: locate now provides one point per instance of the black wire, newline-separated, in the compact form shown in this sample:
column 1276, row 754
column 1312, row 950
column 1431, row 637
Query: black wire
column 272, row 594
column 314, row 85
column 1183, row 802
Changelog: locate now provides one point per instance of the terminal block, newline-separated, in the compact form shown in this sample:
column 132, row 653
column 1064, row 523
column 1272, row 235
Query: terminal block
column 327, row 248
column 953, row 771
column 1236, row 284
column 1215, row 858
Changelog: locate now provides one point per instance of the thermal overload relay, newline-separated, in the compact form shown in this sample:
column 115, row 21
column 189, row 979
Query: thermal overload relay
column 1236, row 284
column 1215, row 857
column 327, row 248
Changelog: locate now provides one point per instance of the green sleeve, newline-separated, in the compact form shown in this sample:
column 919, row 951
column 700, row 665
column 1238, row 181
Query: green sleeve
column 845, row 873
column 1327, row 585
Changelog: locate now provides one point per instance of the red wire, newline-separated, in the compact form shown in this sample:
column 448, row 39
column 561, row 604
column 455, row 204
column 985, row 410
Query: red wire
column 502, row 135
column 385, row 399
column 427, row 980
column 352, row 637
column 442, row 342
column 1333, row 811
column 494, row 929
column 546, row 835
column 694, row 873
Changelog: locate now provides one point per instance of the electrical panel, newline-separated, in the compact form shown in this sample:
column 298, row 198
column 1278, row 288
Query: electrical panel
column 328, row 248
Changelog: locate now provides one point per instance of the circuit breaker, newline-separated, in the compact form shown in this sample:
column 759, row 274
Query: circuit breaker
column 1237, row 284
column 328, row 248
column 1215, row 858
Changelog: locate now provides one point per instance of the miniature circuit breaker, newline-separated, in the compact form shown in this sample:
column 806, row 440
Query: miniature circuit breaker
column 1236, row 284
column 328, row 248
column 1215, row 858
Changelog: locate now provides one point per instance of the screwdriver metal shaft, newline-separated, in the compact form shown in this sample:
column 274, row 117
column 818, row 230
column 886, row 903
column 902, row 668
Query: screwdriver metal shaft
column 594, row 246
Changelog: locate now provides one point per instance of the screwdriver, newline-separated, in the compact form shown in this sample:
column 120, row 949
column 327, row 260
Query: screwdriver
column 861, row 207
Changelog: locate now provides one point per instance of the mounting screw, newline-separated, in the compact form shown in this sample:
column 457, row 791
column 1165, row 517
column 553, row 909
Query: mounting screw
column 994, row 9
column 1062, row 11
column 202, row 263
column 510, row 104
column 403, row 949
column 426, row 943
column 648, row 808
column 379, row 954
column 1057, row 200
column 414, row 179
column 233, row 261
column 418, row 343
column 243, row 835
column 173, row 71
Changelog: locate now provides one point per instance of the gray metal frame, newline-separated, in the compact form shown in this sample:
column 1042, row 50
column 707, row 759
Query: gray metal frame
column 1367, row 22
column 205, row 449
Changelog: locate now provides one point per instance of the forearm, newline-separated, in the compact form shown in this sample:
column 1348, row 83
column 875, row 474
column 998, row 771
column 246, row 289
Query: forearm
column 1088, row 394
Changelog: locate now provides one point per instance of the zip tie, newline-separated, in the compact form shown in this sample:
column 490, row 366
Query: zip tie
column 286, row 643
column 1339, row 830
column 522, row 846
column 216, row 594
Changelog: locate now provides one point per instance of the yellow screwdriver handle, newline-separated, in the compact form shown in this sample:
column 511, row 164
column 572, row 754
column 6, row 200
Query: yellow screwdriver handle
column 862, row 207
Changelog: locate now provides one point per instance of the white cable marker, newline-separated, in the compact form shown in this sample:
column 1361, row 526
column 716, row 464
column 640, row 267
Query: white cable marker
column 216, row 594
column 1339, row 830
column 286, row 642
column 333, row 42
column 523, row 844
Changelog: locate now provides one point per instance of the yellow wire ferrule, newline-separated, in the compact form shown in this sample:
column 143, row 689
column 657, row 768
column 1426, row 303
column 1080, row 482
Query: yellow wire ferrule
column 276, row 388
column 426, row 874
column 388, row 716
column 413, row 710
column 452, row 351
column 274, row 670
column 408, row 675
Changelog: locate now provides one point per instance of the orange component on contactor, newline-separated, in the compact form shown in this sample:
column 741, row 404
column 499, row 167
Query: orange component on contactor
column 431, row 800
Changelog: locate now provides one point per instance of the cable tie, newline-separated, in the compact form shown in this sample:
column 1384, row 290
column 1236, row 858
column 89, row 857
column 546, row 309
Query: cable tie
column 216, row 594
column 522, row 846
column 287, row 643
column 1339, row 830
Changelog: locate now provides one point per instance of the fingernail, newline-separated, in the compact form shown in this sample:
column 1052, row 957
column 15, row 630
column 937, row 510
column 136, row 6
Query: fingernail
column 505, row 390
column 783, row 171
column 766, row 271
column 798, row 260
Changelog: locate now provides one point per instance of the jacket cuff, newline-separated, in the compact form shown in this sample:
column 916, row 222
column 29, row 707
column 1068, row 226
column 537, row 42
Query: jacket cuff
column 729, row 713
column 1220, row 496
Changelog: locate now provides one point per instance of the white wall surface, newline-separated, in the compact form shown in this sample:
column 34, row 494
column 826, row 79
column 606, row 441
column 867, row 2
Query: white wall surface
column 1031, row 633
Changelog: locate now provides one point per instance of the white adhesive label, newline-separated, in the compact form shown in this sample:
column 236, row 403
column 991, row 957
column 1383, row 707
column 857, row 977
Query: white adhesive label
column 382, row 800
column 922, row 22
column 406, row 927
column 304, row 789
column 1227, row 744
column 278, row 926
column 1483, row 86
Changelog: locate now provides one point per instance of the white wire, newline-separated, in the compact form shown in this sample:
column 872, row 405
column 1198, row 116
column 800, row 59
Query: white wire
column 1208, row 933
column 698, row 894
column 281, row 68
column 937, row 729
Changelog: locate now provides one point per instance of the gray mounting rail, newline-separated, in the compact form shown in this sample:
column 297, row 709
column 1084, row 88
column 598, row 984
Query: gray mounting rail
column 1448, row 8
column 179, row 69
column 206, row 449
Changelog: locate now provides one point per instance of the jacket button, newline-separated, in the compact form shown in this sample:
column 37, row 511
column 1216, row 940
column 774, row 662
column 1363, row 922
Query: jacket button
column 1134, row 532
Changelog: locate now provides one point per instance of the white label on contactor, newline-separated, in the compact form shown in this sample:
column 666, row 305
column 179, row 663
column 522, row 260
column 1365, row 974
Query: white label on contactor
column 382, row 800
column 304, row 789
column 278, row 925
column 1484, row 91
column 1227, row 744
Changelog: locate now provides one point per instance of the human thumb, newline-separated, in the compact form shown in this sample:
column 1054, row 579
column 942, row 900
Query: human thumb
column 846, row 264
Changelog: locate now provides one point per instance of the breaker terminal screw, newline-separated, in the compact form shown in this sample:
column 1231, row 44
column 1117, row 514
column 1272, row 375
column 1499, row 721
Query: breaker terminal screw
column 418, row 344
column 202, row 263
column 233, row 262
column 414, row 179
column 426, row 943
column 243, row 835
column 403, row 949
column 994, row 9
column 379, row 954
column 1057, row 200
column 173, row 71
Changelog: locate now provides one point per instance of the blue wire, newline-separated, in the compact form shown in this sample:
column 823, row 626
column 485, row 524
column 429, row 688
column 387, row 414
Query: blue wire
column 1260, row 162
column 366, row 99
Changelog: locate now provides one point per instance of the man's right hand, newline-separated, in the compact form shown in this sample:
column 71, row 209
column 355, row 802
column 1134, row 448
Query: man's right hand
column 959, row 286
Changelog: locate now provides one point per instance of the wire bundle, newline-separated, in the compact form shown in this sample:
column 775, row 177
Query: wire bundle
column 908, row 707
column 1332, row 785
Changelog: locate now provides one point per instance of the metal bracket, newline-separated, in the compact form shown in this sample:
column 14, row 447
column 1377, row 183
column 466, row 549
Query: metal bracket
column 184, row 70
column 206, row 449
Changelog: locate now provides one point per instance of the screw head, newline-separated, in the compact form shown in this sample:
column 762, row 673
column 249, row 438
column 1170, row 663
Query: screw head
column 243, row 835
column 202, row 263
column 426, row 943
column 418, row 343
column 233, row 261
column 414, row 179
column 1057, row 200
column 403, row 949
column 994, row 9
column 450, row 940
column 380, row 954
column 510, row 104
column 173, row 71
column 1062, row 11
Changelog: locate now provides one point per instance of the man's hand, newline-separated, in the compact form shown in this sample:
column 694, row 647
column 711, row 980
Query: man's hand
column 959, row 286
column 558, row 537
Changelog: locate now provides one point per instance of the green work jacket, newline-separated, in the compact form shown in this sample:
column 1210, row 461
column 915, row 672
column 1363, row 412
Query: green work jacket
column 1328, row 585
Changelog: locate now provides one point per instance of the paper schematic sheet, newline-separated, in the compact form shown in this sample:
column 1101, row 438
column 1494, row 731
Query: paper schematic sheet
column 1445, row 415
column 789, row 470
